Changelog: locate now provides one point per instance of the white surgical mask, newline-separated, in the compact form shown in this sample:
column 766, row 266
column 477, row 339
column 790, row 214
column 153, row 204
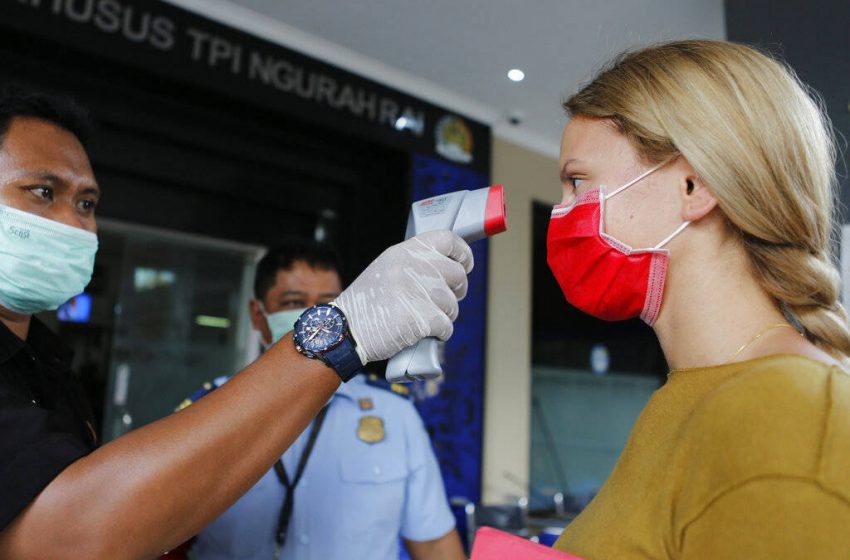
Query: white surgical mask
column 281, row 322
column 43, row 263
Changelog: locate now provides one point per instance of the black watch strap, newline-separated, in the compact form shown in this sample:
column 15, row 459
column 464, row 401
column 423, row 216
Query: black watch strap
column 344, row 359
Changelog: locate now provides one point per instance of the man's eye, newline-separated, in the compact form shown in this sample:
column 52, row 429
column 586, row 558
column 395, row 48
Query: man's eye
column 43, row 192
column 293, row 304
column 87, row 205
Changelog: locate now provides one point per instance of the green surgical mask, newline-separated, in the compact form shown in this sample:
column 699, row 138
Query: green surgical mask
column 43, row 263
column 282, row 322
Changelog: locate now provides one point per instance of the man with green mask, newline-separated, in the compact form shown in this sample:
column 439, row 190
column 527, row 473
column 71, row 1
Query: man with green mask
column 290, row 278
column 367, row 452
column 61, row 496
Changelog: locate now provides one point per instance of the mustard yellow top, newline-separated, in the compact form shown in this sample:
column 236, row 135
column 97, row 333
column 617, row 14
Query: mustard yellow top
column 747, row 460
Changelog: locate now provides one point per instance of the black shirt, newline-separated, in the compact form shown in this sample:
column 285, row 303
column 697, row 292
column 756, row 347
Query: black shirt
column 45, row 421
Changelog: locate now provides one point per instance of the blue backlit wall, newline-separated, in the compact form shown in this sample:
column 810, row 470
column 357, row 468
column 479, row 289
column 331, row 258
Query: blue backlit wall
column 453, row 409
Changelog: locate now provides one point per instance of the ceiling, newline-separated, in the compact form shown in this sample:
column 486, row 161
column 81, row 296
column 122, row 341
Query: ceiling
column 457, row 53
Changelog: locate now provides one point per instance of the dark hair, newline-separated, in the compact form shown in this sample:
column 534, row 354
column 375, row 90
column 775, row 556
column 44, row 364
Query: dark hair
column 17, row 101
column 284, row 256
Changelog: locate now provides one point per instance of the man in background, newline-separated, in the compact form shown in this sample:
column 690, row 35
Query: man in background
column 360, row 478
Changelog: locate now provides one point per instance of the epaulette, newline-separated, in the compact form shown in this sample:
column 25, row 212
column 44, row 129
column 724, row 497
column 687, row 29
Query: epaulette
column 379, row 382
column 204, row 390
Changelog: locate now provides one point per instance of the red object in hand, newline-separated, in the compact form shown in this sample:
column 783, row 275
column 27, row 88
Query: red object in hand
column 492, row 544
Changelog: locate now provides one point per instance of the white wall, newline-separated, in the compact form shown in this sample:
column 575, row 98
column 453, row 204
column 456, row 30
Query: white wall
column 527, row 177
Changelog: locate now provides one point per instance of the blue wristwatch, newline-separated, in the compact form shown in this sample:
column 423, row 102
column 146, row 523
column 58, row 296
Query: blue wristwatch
column 322, row 333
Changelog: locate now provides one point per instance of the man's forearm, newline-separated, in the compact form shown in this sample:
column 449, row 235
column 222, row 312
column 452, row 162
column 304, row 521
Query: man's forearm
column 159, row 485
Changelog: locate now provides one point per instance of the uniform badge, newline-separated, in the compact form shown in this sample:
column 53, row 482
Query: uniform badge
column 370, row 429
column 366, row 404
column 400, row 389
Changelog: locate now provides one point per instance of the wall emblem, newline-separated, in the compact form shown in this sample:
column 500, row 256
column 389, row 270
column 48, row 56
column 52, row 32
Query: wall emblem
column 454, row 139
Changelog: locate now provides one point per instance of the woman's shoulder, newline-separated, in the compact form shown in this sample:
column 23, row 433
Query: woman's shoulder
column 781, row 391
column 789, row 384
column 784, row 374
column 781, row 415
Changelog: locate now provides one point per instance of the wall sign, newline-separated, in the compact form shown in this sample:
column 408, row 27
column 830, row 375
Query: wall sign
column 187, row 47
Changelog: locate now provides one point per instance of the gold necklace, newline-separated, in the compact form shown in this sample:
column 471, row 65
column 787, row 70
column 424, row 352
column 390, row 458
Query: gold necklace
column 758, row 336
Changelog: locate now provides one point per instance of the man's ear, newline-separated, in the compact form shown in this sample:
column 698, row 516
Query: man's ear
column 258, row 319
column 697, row 199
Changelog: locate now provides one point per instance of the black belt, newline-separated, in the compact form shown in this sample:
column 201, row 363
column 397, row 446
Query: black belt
column 286, row 510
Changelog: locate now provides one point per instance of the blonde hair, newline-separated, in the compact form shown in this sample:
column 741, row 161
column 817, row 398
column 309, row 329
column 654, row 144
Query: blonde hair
column 762, row 142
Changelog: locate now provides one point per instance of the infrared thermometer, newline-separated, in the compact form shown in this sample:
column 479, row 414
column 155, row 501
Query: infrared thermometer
column 472, row 215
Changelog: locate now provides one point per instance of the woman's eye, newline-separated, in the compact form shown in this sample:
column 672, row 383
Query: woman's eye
column 576, row 183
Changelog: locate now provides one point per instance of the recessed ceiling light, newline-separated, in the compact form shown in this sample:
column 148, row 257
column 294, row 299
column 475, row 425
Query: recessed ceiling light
column 516, row 75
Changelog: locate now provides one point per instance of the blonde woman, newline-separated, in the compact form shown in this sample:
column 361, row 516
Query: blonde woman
column 698, row 182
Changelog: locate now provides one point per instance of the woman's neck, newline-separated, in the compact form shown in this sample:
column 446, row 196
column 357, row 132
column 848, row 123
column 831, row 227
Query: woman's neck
column 712, row 306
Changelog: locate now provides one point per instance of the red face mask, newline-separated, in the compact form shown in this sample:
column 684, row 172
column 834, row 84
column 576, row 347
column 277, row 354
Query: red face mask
column 598, row 274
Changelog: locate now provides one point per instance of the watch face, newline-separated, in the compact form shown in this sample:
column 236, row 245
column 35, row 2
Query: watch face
column 320, row 329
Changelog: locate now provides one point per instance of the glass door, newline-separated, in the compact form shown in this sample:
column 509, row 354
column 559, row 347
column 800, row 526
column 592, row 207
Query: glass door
column 180, row 318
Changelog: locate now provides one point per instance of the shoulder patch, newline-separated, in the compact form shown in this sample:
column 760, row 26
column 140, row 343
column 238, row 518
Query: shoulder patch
column 202, row 392
column 379, row 382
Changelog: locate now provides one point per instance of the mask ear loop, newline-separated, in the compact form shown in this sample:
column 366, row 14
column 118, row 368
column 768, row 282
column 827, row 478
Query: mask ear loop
column 679, row 229
column 263, row 309
column 670, row 237
column 639, row 177
column 265, row 314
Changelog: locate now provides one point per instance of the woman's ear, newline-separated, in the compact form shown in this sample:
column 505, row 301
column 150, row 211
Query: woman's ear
column 697, row 199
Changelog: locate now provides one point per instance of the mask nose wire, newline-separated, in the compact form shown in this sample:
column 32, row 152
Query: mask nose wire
column 639, row 177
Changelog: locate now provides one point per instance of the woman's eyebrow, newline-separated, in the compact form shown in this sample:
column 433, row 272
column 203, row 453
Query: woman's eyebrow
column 564, row 173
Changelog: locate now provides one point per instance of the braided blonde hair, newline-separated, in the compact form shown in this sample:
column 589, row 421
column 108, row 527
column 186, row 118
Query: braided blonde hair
column 762, row 142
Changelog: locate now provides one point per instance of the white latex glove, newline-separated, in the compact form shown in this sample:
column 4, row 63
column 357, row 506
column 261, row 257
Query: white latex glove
column 410, row 292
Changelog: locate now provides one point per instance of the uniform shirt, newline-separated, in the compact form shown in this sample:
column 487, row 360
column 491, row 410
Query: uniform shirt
column 354, row 498
column 745, row 460
column 45, row 422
